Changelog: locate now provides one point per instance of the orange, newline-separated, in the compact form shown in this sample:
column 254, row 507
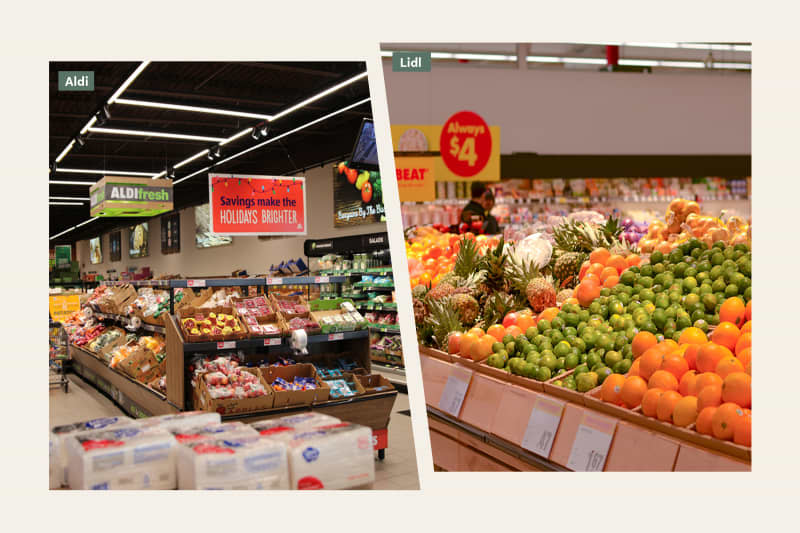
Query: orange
column 668, row 345
column 703, row 422
column 662, row 379
column 642, row 341
column 497, row 331
column 590, row 276
column 690, row 355
column 611, row 281
column 709, row 355
column 688, row 384
column 725, row 334
column 747, row 328
column 633, row 260
column 514, row 331
column 744, row 357
column 617, row 262
column 608, row 272
column 685, row 412
column 742, row 430
column 675, row 365
column 595, row 268
column 651, row 361
column 729, row 365
column 745, row 339
column 548, row 314
column 527, row 312
column 709, row 396
column 601, row 255
column 707, row 378
column 467, row 341
column 747, row 311
column 454, row 342
column 725, row 419
column 650, row 401
column 633, row 391
column 586, row 292
column 733, row 311
column 736, row 388
column 478, row 331
column 524, row 321
column 485, row 344
column 584, row 267
column 666, row 405
column 611, row 390
column 634, row 371
column 693, row 336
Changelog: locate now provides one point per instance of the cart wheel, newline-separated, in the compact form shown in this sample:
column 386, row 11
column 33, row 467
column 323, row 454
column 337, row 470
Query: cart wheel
column 381, row 454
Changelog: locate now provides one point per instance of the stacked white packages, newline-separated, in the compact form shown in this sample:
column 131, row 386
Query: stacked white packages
column 231, row 463
column 225, row 430
column 123, row 458
column 339, row 456
column 293, row 423
column 58, row 448
column 180, row 420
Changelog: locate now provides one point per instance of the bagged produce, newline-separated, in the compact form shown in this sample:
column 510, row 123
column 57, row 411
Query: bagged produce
column 535, row 248
column 123, row 458
column 246, row 463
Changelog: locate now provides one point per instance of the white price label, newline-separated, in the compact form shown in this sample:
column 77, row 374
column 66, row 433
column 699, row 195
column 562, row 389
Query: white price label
column 542, row 426
column 590, row 449
column 274, row 281
column 322, row 279
column 336, row 336
column 455, row 390
column 226, row 345
column 275, row 341
column 196, row 283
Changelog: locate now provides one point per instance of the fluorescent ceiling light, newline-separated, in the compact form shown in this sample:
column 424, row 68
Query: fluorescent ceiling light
column 316, row 97
column 472, row 57
column 89, row 124
column 190, row 159
column 59, row 182
column 73, row 227
column 273, row 139
column 747, row 66
column 195, row 109
column 235, row 136
column 142, row 133
column 386, row 53
column 68, row 198
column 66, row 203
column 127, row 82
column 567, row 60
column 65, row 151
column 114, row 172
column 201, row 153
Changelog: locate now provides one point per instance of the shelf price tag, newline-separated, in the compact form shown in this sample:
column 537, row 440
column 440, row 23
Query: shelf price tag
column 455, row 390
column 542, row 426
column 226, row 345
column 196, row 283
column 336, row 336
column 274, row 281
column 322, row 279
column 590, row 449
column 275, row 341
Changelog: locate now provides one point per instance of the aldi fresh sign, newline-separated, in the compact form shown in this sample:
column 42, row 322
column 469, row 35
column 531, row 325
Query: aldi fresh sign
column 116, row 196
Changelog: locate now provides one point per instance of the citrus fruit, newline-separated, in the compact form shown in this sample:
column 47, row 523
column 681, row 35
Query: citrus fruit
column 610, row 282
column 514, row 331
column 662, row 379
column 548, row 314
column 728, row 365
column 454, row 342
column 733, row 311
column 524, row 321
column 742, row 430
column 587, row 291
column 709, row 355
column 607, row 272
column 675, row 365
column 736, row 388
column 703, row 422
column 634, row 370
column 584, row 267
column 685, row 412
column 709, row 396
column 725, row 419
column 744, row 357
column 651, row 361
column 688, row 383
column 633, row 260
column 633, row 391
column 600, row 255
column 745, row 339
column 595, row 269
column 497, row 331
column 747, row 328
column 477, row 331
column 486, row 342
column 467, row 341
column 611, row 391
column 617, row 262
column 666, row 405
column 690, row 355
column 650, row 402
column 693, row 336
column 643, row 341
column 726, row 334
column 707, row 378
column 747, row 311
column 510, row 319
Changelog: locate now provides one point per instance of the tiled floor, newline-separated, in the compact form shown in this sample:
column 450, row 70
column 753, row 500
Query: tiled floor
column 398, row 471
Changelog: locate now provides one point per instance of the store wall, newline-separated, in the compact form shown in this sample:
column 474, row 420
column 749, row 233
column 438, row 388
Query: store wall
column 247, row 253
column 584, row 112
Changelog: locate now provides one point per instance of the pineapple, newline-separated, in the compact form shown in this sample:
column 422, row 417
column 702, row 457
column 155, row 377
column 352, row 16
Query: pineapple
column 468, row 259
column 567, row 267
column 541, row 293
column 443, row 320
column 494, row 264
column 466, row 306
column 564, row 295
column 420, row 311
column 497, row 306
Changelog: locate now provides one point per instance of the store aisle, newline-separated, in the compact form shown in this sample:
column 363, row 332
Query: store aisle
column 398, row 471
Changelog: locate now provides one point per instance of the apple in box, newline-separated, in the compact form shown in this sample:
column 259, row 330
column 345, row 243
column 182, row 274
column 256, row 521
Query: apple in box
column 189, row 323
column 216, row 330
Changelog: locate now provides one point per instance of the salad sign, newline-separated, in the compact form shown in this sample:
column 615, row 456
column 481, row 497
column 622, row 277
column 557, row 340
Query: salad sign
column 257, row 205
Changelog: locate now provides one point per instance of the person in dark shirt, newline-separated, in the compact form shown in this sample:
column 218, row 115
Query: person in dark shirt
column 490, row 225
column 474, row 210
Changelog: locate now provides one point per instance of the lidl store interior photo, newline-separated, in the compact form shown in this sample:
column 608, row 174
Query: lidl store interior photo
column 222, row 311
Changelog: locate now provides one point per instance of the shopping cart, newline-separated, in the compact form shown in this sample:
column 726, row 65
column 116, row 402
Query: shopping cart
column 59, row 357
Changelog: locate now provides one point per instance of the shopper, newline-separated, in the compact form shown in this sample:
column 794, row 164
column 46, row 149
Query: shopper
column 474, row 210
column 490, row 225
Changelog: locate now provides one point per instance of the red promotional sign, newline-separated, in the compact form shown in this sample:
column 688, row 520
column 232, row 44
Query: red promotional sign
column 465, row 143
column 257, row 205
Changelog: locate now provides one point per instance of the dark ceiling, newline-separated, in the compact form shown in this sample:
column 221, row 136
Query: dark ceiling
column 264, row 88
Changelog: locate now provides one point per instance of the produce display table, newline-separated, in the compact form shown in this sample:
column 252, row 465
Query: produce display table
column 481, row 421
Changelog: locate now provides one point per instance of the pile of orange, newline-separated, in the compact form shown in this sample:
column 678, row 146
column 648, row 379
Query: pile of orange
column 700, row 381
column 602, row 270
column 432, row 254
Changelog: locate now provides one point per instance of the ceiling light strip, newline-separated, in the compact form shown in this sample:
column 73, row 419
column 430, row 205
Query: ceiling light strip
column 232, row 138
column 68, row 198
column 128, row 82
column 316, row 97
column 60, row 182
column 73, row 227
column 142, row 133
column 66, row 203
column 89, row 124
column 65, row 151
column 93, row 171
column 195, row 109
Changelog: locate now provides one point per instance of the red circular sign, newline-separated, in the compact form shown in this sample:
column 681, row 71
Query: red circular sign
column 465, row 143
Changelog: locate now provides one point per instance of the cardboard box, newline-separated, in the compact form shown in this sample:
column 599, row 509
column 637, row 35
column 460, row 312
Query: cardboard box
column 349, row 378
column 154, row 373
column 373, row 383
column 294, row 299
column 140, row 362
column 307, row 397
column 204, row 402
column 190, row 311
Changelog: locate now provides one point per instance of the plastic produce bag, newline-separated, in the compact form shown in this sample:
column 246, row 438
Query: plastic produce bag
column 292, row 423
column 534, row 248
column 178, row 421
column 225, row 430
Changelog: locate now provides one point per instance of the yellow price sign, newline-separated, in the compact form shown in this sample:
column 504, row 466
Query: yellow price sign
column 63, row 305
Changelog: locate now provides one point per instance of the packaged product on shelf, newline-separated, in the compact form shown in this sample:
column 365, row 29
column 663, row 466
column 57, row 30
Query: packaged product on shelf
column 218, row 324
column 295, row 385
column 139, row 363
column 340, row 388
column 124, row 458
column 216, row 430
column 294, row 423
column 335, row 457
column 178, row 421
column 242, row 390
column 149, row 305
column 245, row 463
column 159, row 385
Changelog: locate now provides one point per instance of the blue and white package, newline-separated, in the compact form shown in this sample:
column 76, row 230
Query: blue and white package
column 225, row 430
column 243, row 463
column 125, row 458
column 178, row 421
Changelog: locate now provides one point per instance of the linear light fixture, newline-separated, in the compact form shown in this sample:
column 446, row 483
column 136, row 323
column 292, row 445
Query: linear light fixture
column 66, row 203
column 317, row 96
column 273, row 139
column 472, row 57
column 61, row 182
column 73, row 227
column 65, row 151
column 89, row 124
column 201, row 153
column 195, row 109
column 93, row 171
column 69, row 198
column 128, row 82
column 142, row 133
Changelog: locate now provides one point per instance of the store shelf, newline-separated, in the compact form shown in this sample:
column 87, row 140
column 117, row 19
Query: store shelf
column 220, row 282
column 395, row 375
column 125, row 321
column 379, row 307
column 270, row 342
column 306, row 280
column 382, row 271
column 385, row 328
column 373, row 287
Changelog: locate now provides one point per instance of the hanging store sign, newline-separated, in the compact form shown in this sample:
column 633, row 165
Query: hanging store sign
column 257, row 205
column 415, row 179
column 120, row 196
column 63, row 305
column 357, row 196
